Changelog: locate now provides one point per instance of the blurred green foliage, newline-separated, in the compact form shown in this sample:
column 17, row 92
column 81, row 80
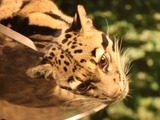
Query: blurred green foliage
column 137, row 23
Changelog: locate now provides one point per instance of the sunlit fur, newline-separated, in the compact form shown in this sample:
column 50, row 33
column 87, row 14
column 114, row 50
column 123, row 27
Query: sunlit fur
column 102, row 44
column 72, row 58
column 90, row 102
column 122, row 63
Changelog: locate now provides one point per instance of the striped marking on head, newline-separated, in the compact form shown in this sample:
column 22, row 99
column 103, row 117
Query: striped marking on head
column 105, row 41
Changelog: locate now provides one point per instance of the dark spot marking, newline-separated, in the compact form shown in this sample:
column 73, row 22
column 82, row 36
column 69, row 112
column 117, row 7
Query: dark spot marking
column 65, row 69
column 82, row 60
column 67, row 52
column 64, row 41
column 57, row 67
column 69, row 43
column 75, row 38
column 67, row 63
column 70, row 79
column 79, row 79
column 73, row 46
column 105, row 41
column 59, row 61
column 40, row 45
column 52, row 54
column 74, row 42
column 78, row 51
column 113, row 46
column 56, row 60
column 74, row 69
column 66, row 88
column 84, row 75
column 96, row 96
column 80, row 44
column 93, row 52
column 62, row 56
column 120, row 76
column 62, row 52
column 53, row 49
column 68, row 36
column 68, row 30
column 50, row 57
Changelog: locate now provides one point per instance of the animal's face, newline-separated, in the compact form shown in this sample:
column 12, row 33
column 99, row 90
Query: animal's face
column 86, row 62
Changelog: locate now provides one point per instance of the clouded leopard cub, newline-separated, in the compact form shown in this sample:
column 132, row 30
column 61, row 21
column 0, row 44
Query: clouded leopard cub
column 81, row 59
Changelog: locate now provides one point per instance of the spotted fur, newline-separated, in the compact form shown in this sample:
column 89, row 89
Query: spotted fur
column 80, row 58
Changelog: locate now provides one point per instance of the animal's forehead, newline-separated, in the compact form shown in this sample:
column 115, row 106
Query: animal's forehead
column 83, row 47
column 87, row 41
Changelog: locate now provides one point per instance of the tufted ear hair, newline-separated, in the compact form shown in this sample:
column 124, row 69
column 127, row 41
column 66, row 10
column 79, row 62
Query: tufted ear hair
column 80, row 21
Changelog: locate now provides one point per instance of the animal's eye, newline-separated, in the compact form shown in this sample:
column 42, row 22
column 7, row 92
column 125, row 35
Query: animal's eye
column 104, row 63
column 84, row 87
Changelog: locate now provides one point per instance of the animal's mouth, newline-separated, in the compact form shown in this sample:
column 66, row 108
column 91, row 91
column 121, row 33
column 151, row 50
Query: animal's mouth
column 118, row 95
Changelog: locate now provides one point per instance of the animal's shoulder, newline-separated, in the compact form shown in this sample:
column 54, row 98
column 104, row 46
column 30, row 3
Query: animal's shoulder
column 40, row 20
column 33, row 10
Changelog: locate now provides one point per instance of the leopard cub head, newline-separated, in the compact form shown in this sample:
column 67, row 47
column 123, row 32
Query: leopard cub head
column 86, row 62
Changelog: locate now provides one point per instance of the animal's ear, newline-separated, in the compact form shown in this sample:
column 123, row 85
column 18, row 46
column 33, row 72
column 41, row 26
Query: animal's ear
column 44, row 70
column 80, row 21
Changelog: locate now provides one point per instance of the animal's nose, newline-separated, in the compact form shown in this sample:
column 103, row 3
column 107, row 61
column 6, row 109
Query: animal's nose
column 117, row 93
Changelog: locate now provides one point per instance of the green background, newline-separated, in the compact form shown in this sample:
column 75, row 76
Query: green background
column 137, row 24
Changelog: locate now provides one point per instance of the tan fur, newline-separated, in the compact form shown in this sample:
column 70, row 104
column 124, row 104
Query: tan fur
column 38, row 18
column 9, row 7
column 82, row 47
column 42, row 6
column 109, row 85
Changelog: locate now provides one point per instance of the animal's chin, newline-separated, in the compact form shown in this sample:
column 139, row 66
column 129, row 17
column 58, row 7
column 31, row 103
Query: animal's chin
column 121, row 96
column 110, row 100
